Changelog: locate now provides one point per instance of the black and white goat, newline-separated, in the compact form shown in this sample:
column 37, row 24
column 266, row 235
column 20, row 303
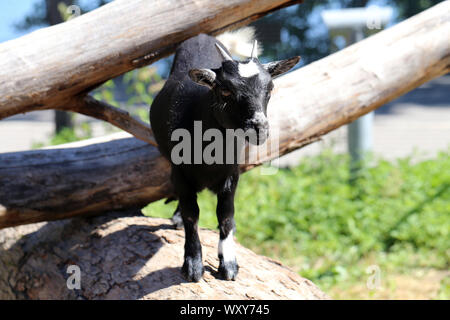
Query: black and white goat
column 207, row 85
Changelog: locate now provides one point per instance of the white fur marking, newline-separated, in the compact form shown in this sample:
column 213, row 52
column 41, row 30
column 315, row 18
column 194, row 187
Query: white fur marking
column 177, row 219
column 248, row 69
column 240, row 42
column 226, row 248
column 260, row 117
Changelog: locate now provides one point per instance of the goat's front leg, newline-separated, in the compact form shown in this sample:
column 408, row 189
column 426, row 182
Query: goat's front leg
column 228, row 267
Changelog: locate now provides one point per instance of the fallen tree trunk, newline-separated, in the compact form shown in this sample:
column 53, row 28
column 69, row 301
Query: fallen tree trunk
column 307, row 103
column 65, row 182
column 131, row 258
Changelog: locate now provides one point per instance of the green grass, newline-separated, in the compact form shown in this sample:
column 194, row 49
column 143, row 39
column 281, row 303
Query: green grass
column 396, row 215
column 66, row 135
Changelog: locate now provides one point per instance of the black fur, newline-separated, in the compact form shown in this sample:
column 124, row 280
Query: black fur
column 221, row 100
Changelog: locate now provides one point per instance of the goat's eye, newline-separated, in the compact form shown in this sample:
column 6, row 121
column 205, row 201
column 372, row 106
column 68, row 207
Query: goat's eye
column 225, row 92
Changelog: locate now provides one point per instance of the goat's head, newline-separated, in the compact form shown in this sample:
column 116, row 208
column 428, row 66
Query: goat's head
column 242, row 90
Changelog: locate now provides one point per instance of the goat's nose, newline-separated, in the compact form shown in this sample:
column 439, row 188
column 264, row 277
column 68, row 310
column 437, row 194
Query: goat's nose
column 261, row 126
column 260, row 122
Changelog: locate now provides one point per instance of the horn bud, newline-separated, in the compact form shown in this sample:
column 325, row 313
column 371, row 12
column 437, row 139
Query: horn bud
column 254, row 54
column 223, row 53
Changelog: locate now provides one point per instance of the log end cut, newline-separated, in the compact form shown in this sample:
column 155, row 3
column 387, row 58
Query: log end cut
column 131, row 257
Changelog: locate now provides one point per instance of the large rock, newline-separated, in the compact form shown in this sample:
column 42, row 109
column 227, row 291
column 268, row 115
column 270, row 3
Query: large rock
column 131, row 257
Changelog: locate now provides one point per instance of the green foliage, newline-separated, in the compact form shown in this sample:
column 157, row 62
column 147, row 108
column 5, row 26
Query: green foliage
column 409, row 8
column 67, row 135
column 444, row 292
column 141, row 86
column 312, row 218
column 106, row 93
column 63, row 11
column 300, row 30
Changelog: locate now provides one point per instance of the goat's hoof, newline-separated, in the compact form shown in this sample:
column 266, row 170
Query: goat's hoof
column 192, row 269
column 228, row 270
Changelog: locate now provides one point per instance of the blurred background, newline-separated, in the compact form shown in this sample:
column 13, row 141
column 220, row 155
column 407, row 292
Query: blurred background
column 383, row 234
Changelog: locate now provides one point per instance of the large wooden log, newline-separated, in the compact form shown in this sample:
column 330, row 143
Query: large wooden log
column 49, row 67
column 131, row 258
column 64, row 182
column 307, row 103
column 55, row 67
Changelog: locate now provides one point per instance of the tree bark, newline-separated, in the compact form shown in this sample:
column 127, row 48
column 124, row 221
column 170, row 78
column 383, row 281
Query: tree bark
column 131, row 258
column 61, row 183
column 63, row 119
column 65, row 182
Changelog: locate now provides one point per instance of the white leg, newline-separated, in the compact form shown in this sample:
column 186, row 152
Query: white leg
column 226, row 248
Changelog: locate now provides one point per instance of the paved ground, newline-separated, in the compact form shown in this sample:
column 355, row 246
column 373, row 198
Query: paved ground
column 20, row 132
column 417, row 122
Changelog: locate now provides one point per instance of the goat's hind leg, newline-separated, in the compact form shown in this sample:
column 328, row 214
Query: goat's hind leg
column 193, row 266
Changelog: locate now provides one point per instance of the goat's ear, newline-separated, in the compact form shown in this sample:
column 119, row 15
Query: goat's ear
column 277, row 68
column 204, row 77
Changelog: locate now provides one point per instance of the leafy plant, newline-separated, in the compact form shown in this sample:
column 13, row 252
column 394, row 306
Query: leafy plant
column 66, row 135
column 313, row 219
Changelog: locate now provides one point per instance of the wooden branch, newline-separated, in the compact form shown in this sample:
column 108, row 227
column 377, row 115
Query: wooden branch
column 47, row 68
column 89, row 106
column 307, row 103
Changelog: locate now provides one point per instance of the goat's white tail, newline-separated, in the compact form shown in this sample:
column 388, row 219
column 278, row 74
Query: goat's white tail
column 240, row 42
